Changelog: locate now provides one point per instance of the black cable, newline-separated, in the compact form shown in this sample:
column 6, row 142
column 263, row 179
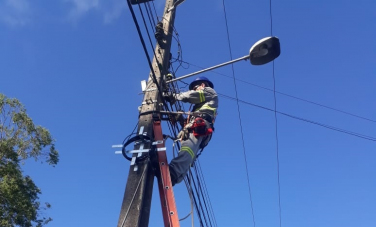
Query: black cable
column 306, row 120
column 291, row 96
column 202, row 190
column 189, row 185
column 206, row 190
column 239, row 115
column 277, row 151
column 142, row 41
column 271, row 17
column 276, row 124
column 154, row 77
column 199, row 199
column 150, row 16
column 147, row 30
column 156, row 14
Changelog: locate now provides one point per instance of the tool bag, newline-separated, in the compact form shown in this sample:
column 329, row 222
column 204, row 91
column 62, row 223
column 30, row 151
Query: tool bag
column 200, row 127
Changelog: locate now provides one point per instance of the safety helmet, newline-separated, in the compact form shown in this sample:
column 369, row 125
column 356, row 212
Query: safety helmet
column 200, row 80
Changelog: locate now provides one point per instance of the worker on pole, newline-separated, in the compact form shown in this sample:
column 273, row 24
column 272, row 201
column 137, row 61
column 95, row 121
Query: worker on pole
column 197, row 133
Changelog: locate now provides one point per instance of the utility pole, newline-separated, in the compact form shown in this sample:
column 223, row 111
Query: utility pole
column 135, row 209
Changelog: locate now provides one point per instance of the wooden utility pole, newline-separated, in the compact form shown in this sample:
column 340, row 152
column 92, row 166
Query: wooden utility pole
column 135, row 209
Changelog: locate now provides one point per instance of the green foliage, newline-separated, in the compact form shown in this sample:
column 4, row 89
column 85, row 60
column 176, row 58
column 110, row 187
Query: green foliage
column 20, row 139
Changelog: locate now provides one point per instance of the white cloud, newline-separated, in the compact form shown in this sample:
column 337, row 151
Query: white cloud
column 109, row 9
column 115, row 11
column 80, row 7
column 15, row 12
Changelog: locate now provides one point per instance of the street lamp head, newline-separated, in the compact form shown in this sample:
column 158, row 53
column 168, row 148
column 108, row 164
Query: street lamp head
column 264, row 51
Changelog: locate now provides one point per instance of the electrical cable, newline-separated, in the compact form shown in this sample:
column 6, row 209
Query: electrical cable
column 156, row 14
column 276, row 125
column 142, row 41
column 202, row 191
column 277, row 152
column 239, row 115
column 366, row 137
column 150, row 16
column 206, row 190
column 147, row 30
column 188, row 184
column 199, row 200
column 284, row 94
column 154, row 77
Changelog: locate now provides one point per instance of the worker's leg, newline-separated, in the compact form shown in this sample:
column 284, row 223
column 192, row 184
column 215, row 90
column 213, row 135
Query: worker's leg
column 179, row 166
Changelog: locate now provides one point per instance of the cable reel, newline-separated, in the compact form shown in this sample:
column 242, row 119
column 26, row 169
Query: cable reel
column 141, row 139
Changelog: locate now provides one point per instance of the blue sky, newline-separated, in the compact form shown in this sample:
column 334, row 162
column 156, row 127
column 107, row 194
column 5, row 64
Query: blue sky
column 77, row 65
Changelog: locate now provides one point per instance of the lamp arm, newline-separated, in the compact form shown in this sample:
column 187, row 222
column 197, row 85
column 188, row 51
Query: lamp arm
column 208, row 69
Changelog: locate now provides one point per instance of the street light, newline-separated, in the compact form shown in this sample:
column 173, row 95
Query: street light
column 263, row 51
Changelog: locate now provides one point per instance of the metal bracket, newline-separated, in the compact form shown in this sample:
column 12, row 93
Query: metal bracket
column 117, row 146
column 157, row 142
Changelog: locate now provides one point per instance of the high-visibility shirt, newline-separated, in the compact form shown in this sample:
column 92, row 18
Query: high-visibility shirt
column 206, row 100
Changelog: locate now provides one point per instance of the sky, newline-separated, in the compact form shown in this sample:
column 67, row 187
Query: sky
column 76, row 65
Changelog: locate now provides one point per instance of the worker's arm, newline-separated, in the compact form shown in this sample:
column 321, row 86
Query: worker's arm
column 198, row 96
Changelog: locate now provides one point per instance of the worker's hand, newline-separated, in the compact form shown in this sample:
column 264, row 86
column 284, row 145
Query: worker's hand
column 180, row 118
column 183, row 134
column 169, row 97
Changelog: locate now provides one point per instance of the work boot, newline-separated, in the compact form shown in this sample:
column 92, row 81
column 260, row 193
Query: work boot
column 173, row 175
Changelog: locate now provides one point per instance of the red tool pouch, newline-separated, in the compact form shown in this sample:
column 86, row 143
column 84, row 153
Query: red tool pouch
column 200, row 127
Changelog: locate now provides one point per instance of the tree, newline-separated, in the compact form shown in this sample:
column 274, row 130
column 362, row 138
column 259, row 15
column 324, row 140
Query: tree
column 20, row 139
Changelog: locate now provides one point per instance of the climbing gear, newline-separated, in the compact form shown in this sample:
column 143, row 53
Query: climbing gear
column 200, row 80
column 200, row 127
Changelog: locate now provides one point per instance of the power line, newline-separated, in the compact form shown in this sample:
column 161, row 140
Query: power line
column 143, row 44
column 146, row 52
column 276, row 124
column 206, row 191
column 239, row 115
column 146, row 27
column 366, row 137
column 288, row 95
